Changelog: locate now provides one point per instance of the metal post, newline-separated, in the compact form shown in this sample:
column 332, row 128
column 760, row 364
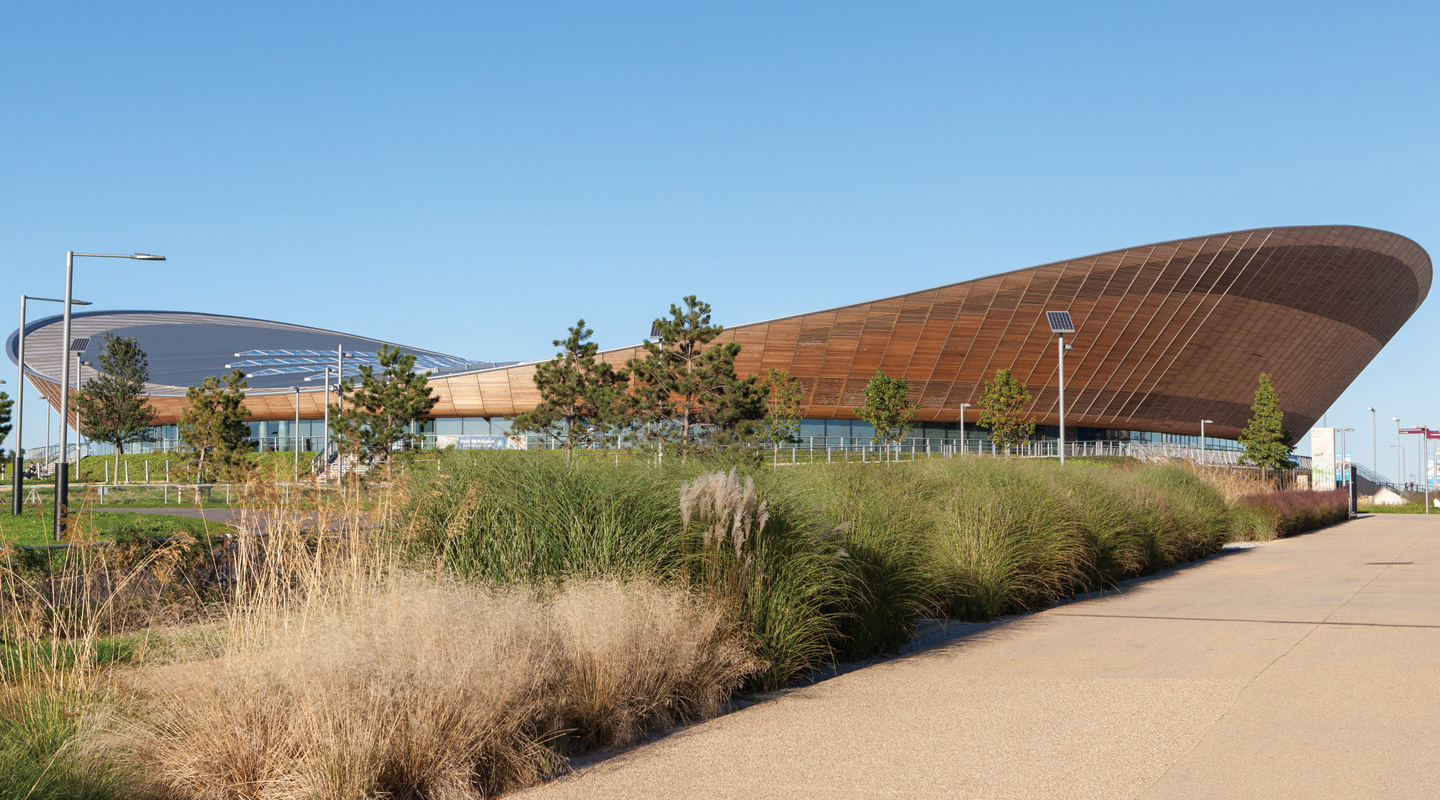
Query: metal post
column 963, row 406
column 16, row 480
column 62, row 478
column 1062, row 398
column 1399, row 455
column 1424, row 478
column 1374, row 448
column 296, row 433
column 1202, row 442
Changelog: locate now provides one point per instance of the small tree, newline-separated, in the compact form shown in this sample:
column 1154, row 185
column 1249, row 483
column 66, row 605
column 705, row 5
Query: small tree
column 581, row 397
column 5, row 405
column 1002, row 410
column 381, row 407
column 111, row 406
column 783, row 394
column 213, row 425
column 1266, row 442
column 684, row 389
column 887, row 408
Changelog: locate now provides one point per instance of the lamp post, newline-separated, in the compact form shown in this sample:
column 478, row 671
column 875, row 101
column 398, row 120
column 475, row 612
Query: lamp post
column 963, row 406
column 16, row 480
column 1061, row 324
column 1399, row 453
column 62, row 479
column 296, row 434
column 1203, row 423
column 1374, row 448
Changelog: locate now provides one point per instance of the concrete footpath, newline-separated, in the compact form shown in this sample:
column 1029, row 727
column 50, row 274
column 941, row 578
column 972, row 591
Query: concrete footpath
column 1301, row 668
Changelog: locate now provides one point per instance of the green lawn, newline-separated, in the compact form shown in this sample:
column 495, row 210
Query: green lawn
column 35, row 526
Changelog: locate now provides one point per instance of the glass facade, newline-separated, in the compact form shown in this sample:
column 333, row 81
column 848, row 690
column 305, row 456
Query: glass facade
column 282, row 434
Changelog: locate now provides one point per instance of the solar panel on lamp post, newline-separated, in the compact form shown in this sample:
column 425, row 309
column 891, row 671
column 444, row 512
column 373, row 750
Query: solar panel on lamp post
column 62, row 478
column 18, row 478
column 1061, row 324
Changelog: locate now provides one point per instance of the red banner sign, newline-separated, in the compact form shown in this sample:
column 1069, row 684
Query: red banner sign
column 1432, row 434
column 1412, row 430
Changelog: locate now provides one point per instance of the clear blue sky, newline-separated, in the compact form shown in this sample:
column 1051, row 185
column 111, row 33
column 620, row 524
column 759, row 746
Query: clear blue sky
column 472, row 177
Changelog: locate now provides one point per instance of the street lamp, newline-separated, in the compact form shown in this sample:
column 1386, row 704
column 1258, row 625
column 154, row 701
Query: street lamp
column 15, row 486
column 1061, row 324
column 1374, row 448
column 62, row 478
column 296, row 433
column 1399, row 453
column 1203, row 423
column 963, row 406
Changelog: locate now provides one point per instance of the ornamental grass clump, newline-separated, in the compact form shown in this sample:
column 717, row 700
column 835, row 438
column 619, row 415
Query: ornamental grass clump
column 529, row 517
column 1005, row 541
column 779, row 578
column 882, row 523
column 418, row 688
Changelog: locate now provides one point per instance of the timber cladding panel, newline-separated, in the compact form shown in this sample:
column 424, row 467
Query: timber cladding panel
column 1167, row 334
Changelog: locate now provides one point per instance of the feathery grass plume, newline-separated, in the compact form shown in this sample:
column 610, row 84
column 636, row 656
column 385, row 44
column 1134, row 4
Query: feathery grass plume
column 725, row 507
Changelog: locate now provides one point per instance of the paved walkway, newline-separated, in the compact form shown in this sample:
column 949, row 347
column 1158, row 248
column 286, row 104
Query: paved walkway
column 1303, row 668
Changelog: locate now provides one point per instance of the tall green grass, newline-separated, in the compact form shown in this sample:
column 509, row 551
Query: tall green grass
column 851, row 555
column 38, row 756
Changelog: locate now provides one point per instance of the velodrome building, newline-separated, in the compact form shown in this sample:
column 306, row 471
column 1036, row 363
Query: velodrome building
column 1167, row 335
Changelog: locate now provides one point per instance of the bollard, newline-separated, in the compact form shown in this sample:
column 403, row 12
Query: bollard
column 147, row 470
column 1354, row 498
column 127, row 471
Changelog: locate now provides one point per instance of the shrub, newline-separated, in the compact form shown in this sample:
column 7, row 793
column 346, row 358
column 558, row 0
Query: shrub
column 1269, row 515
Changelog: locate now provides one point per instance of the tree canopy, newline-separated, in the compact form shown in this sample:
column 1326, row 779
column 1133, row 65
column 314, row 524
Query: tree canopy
column 1266, row 443
column 581, row 397
column 213, row 426
column 1002, row 410
column 685, row 389
column 887, row 407
column 381, row 407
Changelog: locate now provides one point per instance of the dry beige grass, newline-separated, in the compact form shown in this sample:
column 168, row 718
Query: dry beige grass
column 428, row 690
column 1232, row 483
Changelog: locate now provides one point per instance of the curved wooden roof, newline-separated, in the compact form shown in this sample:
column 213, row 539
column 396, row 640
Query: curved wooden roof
column 1167, row 334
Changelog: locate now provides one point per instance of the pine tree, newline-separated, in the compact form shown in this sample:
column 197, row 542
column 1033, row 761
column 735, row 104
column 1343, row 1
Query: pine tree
column 581, row 397
column 1002, row 410
column 686, row 391
column 111, row 406
column 887, row 408
column 380, row 408
column 213, row 426
column 1266, row 442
